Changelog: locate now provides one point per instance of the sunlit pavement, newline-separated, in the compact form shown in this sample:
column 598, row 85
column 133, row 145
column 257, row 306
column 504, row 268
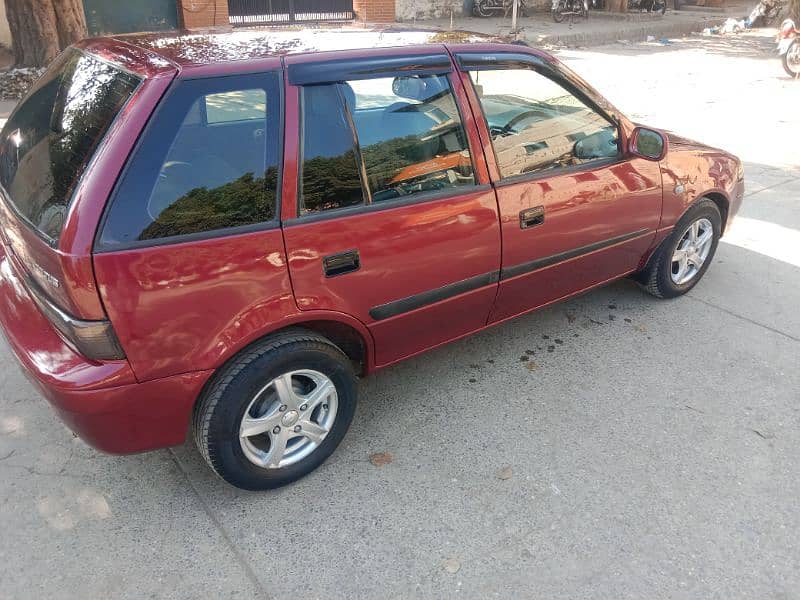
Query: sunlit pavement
column 653, row 446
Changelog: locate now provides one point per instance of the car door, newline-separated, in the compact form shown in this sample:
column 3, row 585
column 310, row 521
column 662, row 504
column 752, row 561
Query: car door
column 575, row 211
column 393, row 221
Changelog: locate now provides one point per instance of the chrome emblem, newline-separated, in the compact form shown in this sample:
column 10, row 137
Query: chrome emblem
column 290, row 418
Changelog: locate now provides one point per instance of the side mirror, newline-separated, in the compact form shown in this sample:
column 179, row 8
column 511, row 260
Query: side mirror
column 648, row 144
column 602, row 144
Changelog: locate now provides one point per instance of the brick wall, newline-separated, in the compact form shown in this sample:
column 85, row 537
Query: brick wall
column 375, row 11
column 193, row 14
column 410, row 10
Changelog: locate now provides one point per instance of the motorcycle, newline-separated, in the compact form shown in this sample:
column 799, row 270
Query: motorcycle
column 561, row 9
column 648, row 5
column 490, row 8
column 789, row 48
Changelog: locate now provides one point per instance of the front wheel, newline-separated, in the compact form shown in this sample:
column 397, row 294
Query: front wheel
column 683, row 258
column 791, row 60
column 276, row 412
column 558, row 11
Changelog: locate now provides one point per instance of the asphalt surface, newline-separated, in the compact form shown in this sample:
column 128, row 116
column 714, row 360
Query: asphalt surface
column 614, row 446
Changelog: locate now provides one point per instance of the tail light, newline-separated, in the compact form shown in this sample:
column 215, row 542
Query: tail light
column 95, row 340
column 787, row 29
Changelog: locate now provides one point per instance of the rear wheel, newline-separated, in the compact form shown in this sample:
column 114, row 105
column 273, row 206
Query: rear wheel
column 791, row 60
column 276, row 412
column 558, row 11
column 683, row 258
column 483, row 8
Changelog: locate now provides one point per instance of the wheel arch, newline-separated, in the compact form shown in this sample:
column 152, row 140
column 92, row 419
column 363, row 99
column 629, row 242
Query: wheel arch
column 716, row 196
column 722, row 202
column 350, row 335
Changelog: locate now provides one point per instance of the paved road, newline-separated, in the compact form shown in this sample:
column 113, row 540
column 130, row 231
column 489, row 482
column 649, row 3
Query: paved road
column 653, row 452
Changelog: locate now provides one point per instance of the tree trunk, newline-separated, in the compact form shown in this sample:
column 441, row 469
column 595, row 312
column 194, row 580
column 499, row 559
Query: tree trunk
column 40, row 29
column 794, row 11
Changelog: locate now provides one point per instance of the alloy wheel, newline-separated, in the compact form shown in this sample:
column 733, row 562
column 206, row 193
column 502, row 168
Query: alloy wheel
column 288, row 419
column 692, row 251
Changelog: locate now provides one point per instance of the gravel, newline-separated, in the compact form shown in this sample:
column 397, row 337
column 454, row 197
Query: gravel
column 15, row 82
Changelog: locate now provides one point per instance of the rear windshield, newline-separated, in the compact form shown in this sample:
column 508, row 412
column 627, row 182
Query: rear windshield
column 51, row 136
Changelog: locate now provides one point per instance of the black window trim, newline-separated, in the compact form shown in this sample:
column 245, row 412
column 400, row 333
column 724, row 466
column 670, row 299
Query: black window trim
column 401, row 201
column 374, row 67
column 368, row 204
column 99, row 149
column 97, row 246
column 492, row 62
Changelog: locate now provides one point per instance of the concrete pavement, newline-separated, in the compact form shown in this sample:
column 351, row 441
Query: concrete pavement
column 6, row 106
column 653, row 445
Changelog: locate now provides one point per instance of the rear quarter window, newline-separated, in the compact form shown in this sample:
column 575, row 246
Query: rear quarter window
column 207, row 164
column 50, row 138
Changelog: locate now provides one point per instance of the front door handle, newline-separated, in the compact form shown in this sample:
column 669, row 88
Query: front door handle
column 531, row 217
column 341, row 263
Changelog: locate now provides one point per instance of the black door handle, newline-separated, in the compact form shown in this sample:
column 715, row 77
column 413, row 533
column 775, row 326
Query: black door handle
column 341, row 263
column 531, row 217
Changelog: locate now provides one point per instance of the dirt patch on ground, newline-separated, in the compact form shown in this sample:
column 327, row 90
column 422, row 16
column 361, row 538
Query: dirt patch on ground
column 15, row 82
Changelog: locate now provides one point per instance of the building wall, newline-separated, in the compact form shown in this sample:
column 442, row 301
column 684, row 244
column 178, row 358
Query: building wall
column 203, row 13
column 374, row 11
column 410, row 10
column 5, row 32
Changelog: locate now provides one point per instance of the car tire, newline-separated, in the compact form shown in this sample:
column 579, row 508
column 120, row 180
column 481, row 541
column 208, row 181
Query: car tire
column 664, row 276
column 263, row 388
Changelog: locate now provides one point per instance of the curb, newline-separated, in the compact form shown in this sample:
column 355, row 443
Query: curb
column 632, row 33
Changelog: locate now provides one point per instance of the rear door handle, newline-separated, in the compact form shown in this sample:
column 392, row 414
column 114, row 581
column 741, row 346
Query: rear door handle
column 531, row 217
column 341, row 263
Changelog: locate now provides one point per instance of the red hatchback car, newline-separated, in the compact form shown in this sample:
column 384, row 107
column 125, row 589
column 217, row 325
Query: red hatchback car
column 220, row 231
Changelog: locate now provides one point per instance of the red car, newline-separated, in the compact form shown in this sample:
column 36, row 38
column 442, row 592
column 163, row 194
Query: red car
column 219, row 232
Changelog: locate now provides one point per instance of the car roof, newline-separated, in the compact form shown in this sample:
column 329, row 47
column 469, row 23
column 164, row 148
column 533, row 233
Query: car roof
column 216, row 46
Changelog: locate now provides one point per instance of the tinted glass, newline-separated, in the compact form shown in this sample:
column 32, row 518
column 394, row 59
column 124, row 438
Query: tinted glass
column 535, row 123
column 330, row 173
column 410, row 134
column 208, row 161
column 48, row 141
column 239, row 105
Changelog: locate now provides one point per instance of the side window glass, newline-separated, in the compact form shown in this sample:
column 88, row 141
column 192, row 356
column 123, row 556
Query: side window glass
column 239, row 105
column 372, row 140
column 410, row 133
column 330, row 173
column 537, row 125
column 209, row 161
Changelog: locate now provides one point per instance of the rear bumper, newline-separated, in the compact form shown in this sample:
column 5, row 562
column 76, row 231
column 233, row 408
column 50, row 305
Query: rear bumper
column 100, row 401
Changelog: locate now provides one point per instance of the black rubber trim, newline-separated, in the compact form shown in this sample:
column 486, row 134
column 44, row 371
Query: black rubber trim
column 541, row 263
column 489, row 61
column 396, row 307
column 329, row 71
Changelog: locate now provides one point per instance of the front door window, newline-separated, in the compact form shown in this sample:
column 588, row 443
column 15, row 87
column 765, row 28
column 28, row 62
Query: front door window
column 536, row 125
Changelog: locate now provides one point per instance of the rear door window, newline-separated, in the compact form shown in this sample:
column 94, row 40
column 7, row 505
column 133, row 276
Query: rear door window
column 384, row 138
column 207, row 163
column 48, row 141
